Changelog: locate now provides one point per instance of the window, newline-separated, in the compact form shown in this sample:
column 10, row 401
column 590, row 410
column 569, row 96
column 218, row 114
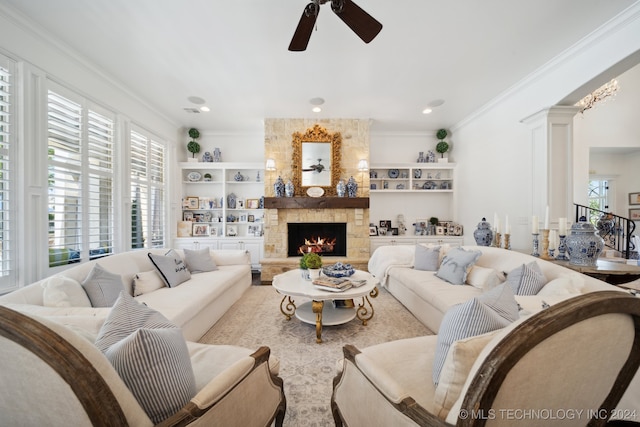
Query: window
column 8, row 225
column 147, row 192
column 80, row 168
column 598, row 199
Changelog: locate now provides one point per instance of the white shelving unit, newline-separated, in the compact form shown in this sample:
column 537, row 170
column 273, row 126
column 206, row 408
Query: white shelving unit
column 207, row 218
column 416, row 190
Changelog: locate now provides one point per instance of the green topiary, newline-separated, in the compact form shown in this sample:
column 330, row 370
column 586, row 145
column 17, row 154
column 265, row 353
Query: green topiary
column 441, row 134
column 442, row 146
column 310, row 260
column 193, row 145
column 433, row 220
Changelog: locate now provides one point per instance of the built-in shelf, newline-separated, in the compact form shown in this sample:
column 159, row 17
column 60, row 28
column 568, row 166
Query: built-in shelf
column 316, row 202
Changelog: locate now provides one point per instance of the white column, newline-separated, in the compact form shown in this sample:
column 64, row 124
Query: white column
column 551, row 134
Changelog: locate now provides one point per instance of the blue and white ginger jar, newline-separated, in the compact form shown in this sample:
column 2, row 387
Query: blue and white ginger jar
column 278, row 187
column 288, row 189
column 341, row 188
column 352, row 187
column 584, row 245
column 483, row 234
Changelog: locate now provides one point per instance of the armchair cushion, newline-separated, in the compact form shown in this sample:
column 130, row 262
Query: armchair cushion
column 102, row 287
column 150, row 355
column 171, row 267
column 456, row 264
column 492, row 310
column 199, row 261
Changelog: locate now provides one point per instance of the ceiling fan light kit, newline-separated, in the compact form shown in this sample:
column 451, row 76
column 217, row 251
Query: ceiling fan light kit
column 363, row 24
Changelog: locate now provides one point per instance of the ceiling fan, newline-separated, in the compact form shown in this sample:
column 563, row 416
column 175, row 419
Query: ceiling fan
column 363, row 24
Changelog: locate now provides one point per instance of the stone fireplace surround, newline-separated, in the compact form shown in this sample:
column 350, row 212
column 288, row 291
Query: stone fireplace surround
column 278, row 146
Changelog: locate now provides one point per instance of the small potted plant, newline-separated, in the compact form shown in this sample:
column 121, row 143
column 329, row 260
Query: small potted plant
column 193, row 146
column 442, row 146
column 313, row 263
column 434, row 223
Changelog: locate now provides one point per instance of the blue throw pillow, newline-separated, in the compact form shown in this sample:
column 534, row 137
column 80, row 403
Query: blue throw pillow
column 456, row 264
column 492, row 310
column 426, row 258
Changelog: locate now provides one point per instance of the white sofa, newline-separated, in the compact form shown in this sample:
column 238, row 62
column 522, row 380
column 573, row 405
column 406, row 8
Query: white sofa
column 194, row 305
column 428, row 297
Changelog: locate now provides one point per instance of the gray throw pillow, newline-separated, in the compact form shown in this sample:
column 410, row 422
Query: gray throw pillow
column 171, row 267
column 199, row 261
column 488, row 312
column 456, row 264
column 102, row 287
column 150, row 355
column 426, row 259
column 527, row 279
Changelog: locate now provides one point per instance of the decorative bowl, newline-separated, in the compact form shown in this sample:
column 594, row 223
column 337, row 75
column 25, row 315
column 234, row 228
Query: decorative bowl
column 338, row 270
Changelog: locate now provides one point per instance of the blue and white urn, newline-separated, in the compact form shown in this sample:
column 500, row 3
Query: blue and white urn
column 584, row 245
column 352, row 187
column 483, row 234
column 288, row 189
column 278, row 187
column 341, row 188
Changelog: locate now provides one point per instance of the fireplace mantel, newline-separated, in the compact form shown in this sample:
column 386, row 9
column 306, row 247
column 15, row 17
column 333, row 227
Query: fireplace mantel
column 316, row 202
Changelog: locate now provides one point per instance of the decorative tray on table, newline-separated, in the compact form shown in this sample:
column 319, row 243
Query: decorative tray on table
column 338, row 270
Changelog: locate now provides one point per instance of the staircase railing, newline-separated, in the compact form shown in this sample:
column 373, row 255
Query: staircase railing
column 616, row 231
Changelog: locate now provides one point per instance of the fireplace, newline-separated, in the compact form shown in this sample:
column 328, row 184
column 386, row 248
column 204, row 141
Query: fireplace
column 323, row 238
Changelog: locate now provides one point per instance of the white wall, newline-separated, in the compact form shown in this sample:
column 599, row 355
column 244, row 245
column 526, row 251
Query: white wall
column 493, row 148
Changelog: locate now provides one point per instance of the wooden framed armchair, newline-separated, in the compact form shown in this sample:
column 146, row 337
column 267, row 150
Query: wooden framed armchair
column 569, row 364
column 50, row 375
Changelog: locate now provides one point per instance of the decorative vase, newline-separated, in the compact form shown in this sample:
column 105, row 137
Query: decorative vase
column 431, row 157
column 584, row 245
column 314, row 273
column 352, row 187
column 421, row 157
column 217, row 155
column 483, row 234
column 304, row 272
column 278, row 187
column 231, row 201
column 341, row 188
column 288, row 189
column 207, row 157
column 238, row 177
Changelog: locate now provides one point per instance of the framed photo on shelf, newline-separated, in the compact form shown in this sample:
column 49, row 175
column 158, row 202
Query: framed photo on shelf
column 192, row 202
column 634, row 198
column 251, row 218
column 185, row 228
column 634, row 214
column 394, row 231
column 187, row 216
column 239, row 204
column 253, row 203
column 373, row 230
column 385, row 223
column 213, row 231
column 200, row 229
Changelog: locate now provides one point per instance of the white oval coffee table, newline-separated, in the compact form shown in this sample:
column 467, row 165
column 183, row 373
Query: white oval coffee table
column 291, row 284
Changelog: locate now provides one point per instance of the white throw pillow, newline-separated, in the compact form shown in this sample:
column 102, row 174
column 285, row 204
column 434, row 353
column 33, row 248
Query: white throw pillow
column 146, row 281
column 171, row 267
column 61, row 291
column 484, row 278
column 569, row 284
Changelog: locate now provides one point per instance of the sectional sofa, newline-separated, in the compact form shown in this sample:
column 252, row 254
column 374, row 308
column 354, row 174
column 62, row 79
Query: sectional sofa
column 194, row 305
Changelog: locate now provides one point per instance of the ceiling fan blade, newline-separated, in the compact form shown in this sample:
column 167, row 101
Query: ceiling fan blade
column 302, row 35
column 363, row 24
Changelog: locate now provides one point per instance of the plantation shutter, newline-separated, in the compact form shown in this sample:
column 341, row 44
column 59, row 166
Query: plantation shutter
column 8, row 225
column 80, row 182
column 147, row 192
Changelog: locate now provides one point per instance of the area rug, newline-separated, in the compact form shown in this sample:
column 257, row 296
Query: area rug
column 306, row 367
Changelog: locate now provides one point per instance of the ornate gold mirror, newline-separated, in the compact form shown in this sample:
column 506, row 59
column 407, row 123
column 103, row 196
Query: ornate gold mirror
column 316, row 160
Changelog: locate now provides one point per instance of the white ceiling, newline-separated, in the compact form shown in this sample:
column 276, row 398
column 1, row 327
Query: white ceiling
column 234, row 55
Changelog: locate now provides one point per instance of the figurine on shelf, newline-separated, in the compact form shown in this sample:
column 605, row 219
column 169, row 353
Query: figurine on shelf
column 217, row 155
column 207, row 157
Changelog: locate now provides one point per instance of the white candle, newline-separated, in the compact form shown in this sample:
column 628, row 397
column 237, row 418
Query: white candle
column 534, row 225
column 507, row 227
column 495, row 221
column 552, row 239
column 562, row 226
column 546, row 218
column 497, row 225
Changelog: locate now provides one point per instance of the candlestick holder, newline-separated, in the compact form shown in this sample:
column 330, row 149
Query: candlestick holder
column 545, row 244
column 507, row 241
column 535, row 245
column 562, row 248
column 498, row 240
column 551, row 252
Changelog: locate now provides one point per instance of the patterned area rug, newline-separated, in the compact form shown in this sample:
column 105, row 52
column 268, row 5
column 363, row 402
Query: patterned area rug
column 306, row 367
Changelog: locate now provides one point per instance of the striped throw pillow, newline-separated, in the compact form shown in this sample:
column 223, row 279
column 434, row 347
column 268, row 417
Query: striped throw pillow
column 527, row 279
column 150, row 354
column 492, row 310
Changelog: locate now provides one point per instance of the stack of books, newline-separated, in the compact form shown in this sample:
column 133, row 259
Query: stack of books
column 332, row 284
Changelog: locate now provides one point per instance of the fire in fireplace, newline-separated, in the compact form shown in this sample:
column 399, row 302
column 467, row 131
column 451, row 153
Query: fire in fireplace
column 319, row 237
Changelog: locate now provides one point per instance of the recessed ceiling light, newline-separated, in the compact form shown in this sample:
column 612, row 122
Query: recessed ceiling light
column 316, row 101
column 427, row 111
column 436, row 103
column 205, row 109
column 316, row 109
column 196, row 100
